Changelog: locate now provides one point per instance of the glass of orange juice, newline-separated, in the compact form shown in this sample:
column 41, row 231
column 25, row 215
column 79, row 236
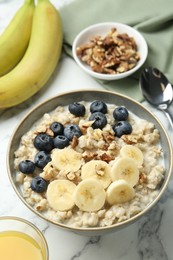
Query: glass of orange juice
column 21, row 240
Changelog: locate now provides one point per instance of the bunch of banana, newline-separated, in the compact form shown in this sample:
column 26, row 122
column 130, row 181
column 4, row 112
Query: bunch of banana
column 39, row 60
column 15, row 39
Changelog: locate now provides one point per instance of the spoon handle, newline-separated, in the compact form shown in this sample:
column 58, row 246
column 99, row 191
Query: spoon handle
column 169, row 116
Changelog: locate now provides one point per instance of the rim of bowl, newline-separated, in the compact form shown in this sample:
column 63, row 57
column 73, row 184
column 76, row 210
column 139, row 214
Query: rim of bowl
column 115, row 226
column 38, row 231
column 108, row 25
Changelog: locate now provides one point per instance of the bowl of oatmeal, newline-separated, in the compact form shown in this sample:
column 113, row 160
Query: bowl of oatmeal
column 110, row 50
column 90, row 161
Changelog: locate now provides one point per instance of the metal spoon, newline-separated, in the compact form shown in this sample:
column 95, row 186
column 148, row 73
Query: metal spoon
column 157, row 90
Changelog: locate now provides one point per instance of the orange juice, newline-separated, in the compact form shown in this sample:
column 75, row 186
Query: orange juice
column 19, row 246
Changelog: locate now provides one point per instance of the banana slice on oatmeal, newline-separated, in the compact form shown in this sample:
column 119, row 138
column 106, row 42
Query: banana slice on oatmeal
column 98, row 170
column 126, row 169
column 67, row 159
column 133, row 152
column 119, row 192
column 60, row 195
column 89, row 195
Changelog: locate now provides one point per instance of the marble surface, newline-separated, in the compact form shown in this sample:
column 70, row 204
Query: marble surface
column 150, row 238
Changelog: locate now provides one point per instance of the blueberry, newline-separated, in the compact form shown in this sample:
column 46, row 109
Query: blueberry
column 120, row 113
column 26, row 166
column 98, row 106
column 41, row 159
column 57, row 128
column 61, row 141
column 43, row 142
column 77, row 109
column 39, row 184
column 122, row 128
column 99, row 118
column 72, row 130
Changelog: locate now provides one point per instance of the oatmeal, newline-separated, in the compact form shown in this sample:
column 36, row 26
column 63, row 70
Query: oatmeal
column 90, row 164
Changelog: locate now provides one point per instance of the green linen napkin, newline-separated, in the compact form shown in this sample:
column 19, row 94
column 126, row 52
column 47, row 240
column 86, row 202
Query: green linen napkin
column 153, row 18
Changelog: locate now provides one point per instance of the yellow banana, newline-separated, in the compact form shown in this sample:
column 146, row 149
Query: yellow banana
column 14, row 40
column 40, row 59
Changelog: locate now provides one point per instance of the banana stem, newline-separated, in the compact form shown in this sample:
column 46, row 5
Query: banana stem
column 29, row 2
column 43, row 1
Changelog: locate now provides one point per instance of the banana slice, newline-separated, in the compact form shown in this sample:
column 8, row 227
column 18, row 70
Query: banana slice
column 132, row 152
column 67, row 159
column 89, row 195
column 97, row 169
column 60, row 194
column 126, row 169
column 119, row 192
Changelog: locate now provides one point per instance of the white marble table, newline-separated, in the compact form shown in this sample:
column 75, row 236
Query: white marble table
column 150, row 238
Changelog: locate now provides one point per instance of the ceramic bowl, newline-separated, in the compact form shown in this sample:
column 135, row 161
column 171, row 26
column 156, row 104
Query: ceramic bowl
column 89, row 95
column 102, row 29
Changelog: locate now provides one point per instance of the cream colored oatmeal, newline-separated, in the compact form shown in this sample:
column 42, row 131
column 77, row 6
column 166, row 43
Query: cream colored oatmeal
column 99, row 176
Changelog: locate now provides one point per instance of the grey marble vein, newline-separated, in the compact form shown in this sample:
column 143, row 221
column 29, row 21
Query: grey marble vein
column 150, row 246
column 92, row 241
column 169, row 192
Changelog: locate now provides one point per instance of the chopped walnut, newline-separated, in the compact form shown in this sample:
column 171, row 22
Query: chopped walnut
column 108, row 137
column 84, row 126
column 113, row 54
column 106, row 157
column 74, row 177
column 88, row 156
column 42, row 129
column 49, row 132
column 74, row 142
column 45, row 130
column 71, row 176
column 97, row 134
column 142, row 178
column 132, row 139
column 49, row 172
column 42, row 205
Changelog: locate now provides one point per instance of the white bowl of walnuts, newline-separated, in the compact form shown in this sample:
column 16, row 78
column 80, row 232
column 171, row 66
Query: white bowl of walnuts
column 109, row 51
